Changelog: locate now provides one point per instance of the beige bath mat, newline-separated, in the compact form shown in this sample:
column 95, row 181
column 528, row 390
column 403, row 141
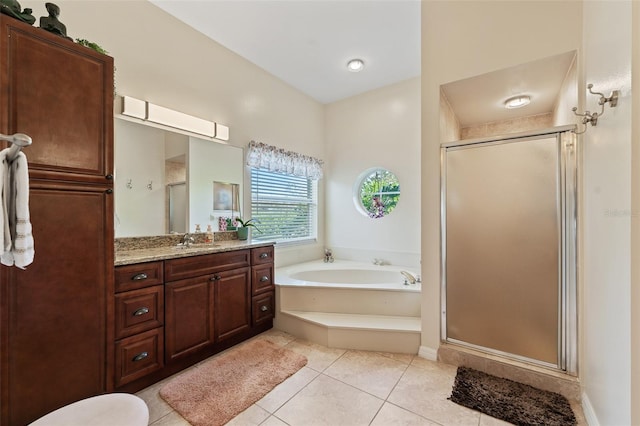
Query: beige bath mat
column 216, row 391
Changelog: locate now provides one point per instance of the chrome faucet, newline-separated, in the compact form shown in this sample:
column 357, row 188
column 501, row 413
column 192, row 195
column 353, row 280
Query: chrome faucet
column 379, row 262
column 187, row 239
column 407, row 276
column 328, row 256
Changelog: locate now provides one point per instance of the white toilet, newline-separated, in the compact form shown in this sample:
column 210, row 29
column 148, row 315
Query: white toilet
column 120, row 409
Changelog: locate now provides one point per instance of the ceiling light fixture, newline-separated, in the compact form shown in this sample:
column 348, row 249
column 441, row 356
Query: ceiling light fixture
column 355, row 65
column 517, row 101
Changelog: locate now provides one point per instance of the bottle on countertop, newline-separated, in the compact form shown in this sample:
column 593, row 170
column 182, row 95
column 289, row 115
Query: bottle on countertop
column 209, row 237
column 198, row 228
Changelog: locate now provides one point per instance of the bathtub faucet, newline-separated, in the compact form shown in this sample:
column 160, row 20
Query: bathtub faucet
column 409, row 277
column 379, row 262
column 328, row 256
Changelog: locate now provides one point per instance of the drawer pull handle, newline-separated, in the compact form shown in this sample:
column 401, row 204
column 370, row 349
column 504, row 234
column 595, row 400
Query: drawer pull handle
column 214, row 278
column 141, row 311
column 140, row 356
column 264, row 279
column 264, row 308
column 264, row 255
column 139, row 277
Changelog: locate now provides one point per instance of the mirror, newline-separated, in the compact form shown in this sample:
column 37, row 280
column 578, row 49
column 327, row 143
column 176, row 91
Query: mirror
column 166, row 181
column 376, row 192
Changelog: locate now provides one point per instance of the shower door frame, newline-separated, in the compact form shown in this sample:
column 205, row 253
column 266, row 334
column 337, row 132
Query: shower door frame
column 568, row 220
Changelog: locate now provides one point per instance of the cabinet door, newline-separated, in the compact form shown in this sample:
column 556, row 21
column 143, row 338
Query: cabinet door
column 232, row 302
column 53, row 313
column 60, row 94
column 188, row 316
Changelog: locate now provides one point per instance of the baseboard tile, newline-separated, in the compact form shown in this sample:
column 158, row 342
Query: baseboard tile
column 589, row 413
column 428, row 353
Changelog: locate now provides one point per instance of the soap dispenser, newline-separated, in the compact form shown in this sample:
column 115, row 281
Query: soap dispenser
column 209, row 236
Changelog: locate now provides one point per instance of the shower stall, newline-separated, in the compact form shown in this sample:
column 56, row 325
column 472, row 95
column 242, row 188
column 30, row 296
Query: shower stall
column 509, row 246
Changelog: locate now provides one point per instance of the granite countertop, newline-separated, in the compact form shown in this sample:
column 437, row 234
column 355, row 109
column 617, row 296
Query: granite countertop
column 151, row 249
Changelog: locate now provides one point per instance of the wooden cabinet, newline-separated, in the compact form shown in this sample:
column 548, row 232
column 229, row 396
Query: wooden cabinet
column 264, row 307
column 60, row 94
column 189, row 314
column 232, row 297
column 139, row 321
column 54, row 337
column 262, row 286
column 171, row 314
column 212, row 305
column 139, row 355
column 139, row 310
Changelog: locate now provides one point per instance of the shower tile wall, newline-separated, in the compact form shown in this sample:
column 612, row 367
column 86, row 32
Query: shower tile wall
column 175, row 172
column 499, row 128
column 449, row 124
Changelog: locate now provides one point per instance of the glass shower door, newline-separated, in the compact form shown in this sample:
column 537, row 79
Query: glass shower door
column 503, row 251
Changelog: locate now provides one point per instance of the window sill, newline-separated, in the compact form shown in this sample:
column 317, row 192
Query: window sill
column 298, row 242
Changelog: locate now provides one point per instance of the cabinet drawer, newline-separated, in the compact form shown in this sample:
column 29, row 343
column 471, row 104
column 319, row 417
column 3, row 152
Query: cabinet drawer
column 131, row 277
column 262, row 279
column 261, row 255
column 139, row 310
column 187, row 267
column 138, row 356
column 263, row 308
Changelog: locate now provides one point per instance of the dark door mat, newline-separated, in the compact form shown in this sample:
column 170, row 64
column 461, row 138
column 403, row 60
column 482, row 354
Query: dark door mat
column 510, row 401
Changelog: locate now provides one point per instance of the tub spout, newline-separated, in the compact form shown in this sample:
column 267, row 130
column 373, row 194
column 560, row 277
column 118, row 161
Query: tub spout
column 408, row 277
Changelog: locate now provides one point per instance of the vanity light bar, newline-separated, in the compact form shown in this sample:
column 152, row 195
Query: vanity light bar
column 134, row 107
column 171, row 118
column 222, row 132
column 167, row 117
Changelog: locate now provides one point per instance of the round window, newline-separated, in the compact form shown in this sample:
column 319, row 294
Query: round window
column 377, row 192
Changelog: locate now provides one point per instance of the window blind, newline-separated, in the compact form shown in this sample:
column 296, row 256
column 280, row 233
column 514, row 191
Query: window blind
column 283, row 205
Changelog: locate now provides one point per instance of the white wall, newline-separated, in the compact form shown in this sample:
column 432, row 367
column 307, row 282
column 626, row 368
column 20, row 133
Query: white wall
column 138, row 210
column 567, row 98
column 160, row 59
column 209, row 162
column 380, row 128
column 606, row 369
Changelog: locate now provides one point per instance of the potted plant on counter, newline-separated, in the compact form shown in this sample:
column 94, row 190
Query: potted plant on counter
column 243, row 228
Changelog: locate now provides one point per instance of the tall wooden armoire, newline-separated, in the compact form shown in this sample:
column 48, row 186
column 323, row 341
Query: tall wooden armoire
column 53, row 315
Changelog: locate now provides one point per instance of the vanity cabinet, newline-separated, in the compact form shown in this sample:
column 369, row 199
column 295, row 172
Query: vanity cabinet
column 55, row 341
column 139, row 321
column 232, row 303
column 173, row 313
column 189, row 316
column 211, row 304
column 262, row 285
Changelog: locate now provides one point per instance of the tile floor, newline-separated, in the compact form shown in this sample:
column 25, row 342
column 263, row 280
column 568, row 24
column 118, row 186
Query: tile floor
column 346, row 387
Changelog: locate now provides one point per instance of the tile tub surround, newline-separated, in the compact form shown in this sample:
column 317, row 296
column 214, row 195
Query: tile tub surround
column 350, row 387
column 132, row 250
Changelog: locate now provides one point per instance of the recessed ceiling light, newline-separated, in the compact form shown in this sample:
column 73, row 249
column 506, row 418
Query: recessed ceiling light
column 355, row 65
column 517, row 101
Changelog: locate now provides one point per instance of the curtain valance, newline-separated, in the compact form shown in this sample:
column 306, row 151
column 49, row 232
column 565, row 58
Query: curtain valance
column 274, row 159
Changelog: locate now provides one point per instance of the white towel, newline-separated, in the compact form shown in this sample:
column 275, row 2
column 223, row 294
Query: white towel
column 5, row 233
column 15, row 203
